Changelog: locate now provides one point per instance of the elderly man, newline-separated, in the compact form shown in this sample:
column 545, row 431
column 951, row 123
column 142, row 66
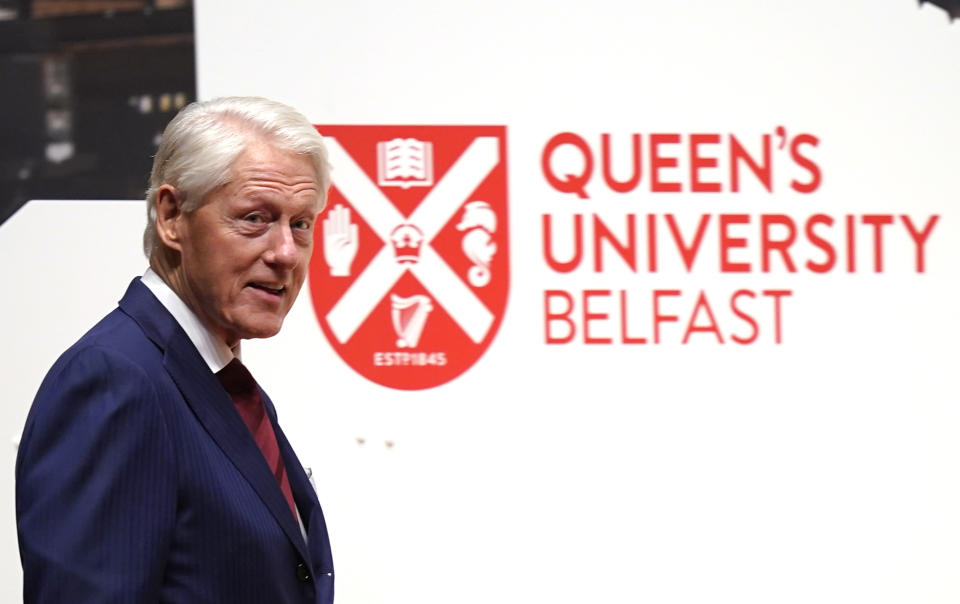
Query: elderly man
column 152, row 467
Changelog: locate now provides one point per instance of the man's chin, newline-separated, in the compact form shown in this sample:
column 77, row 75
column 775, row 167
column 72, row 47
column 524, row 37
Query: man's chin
column 258, row 330
column 259, row 334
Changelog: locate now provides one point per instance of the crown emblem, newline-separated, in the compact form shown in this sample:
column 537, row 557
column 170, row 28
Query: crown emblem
column 406, row 240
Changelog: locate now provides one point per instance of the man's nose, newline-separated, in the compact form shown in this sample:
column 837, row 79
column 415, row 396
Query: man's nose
column 283, row 248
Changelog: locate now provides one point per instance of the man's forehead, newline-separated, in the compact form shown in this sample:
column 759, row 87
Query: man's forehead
column 263, row 163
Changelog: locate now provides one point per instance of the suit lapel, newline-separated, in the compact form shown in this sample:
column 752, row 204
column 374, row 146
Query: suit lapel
column 309, row 506
column 303, row 493
column 211, row 404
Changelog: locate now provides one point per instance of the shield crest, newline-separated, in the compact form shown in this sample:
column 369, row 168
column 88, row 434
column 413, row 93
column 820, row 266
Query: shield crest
column 410, row 272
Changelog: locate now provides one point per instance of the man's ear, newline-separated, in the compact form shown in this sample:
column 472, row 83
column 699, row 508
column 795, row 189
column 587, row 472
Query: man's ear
column 169, row 217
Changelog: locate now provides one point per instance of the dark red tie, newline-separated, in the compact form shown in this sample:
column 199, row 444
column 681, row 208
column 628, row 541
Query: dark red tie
column 243, row 389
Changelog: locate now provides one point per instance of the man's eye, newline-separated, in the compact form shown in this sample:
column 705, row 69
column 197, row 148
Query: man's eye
column 254, row 218
column 302, row 224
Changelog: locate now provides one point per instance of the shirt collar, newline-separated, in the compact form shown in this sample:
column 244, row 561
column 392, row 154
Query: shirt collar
column 215, row 352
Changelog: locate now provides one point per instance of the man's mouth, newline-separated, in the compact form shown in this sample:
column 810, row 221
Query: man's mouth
column 276, row 290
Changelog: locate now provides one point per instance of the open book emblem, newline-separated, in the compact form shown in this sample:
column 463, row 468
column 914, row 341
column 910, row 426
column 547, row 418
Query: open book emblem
column 405, row 162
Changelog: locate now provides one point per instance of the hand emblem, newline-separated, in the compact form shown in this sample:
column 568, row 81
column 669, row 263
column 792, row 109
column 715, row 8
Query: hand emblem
column 340, row 240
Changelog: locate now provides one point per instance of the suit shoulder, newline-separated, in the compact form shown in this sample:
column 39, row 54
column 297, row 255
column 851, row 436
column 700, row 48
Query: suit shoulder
column 116, row 340
column 97, row 385
column 114, row 361
column 96, row 373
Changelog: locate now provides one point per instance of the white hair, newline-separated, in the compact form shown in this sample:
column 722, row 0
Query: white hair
column 201, row 143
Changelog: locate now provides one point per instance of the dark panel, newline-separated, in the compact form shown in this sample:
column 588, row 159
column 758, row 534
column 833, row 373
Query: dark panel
column 85, row 100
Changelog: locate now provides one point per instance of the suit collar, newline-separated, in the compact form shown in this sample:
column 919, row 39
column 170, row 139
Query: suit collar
column 210, row 403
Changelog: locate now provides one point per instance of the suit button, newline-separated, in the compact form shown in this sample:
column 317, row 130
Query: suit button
column 302, row 573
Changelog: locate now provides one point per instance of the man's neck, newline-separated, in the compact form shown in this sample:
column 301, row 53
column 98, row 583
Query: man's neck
column 215, row 352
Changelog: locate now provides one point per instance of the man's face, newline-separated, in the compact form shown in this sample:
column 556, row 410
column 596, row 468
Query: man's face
column 245, row 250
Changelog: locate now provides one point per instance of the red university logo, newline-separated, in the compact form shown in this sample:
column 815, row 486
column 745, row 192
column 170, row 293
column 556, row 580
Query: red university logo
column 410, row 271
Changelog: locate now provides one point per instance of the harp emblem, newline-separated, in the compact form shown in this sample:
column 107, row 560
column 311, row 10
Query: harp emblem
column 409, row 317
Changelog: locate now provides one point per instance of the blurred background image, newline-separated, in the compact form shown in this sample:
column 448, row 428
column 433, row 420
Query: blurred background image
column 87, row 88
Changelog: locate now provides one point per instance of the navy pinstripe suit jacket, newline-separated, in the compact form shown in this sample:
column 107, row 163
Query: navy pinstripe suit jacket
column 138, row 482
